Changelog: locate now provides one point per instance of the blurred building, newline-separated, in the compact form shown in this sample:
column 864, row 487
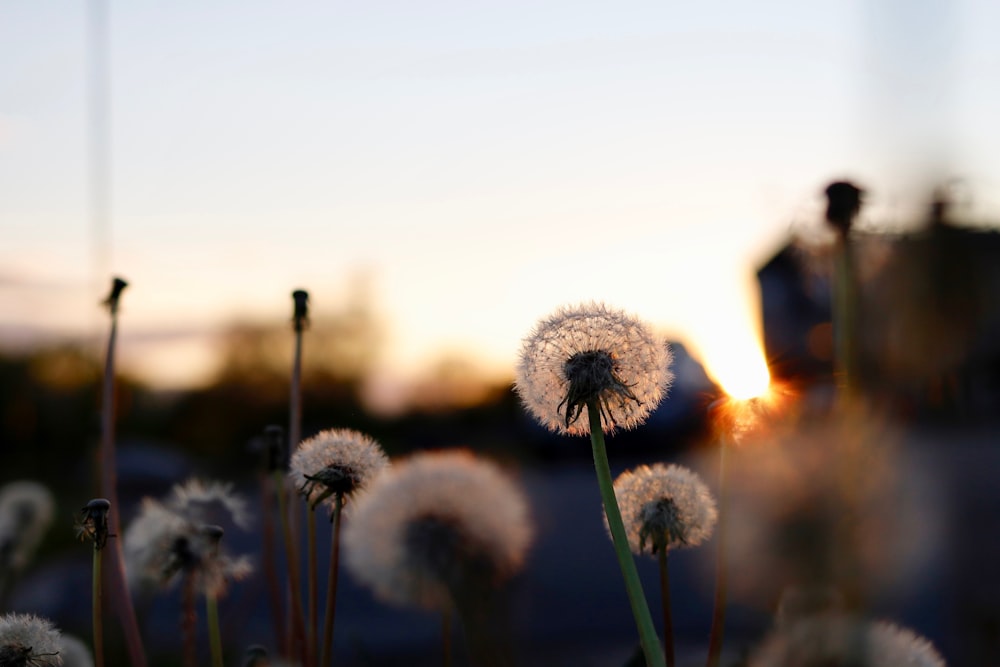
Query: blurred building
column 928, row 318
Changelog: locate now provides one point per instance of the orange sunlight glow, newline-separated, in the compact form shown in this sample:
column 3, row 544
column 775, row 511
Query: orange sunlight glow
column 738, row 364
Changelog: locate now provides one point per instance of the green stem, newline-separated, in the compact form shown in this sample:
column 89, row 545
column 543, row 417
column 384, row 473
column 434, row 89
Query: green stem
column 721, row 566
column 294, row 578
column 845, row 329
column 214, row 635
column 98, row 620
column 331, row 582
column 643, row 619
column 668, row 621
column 311, row 584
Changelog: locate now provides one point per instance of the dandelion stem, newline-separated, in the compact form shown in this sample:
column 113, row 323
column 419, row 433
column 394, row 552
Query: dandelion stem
column 270, row 564
column 188, row 622
column 721, row 566
column 311, row 583
column 294, row 580
column 107, row 470
column 446, row 635
column 668, row 620
column 845, row 329
column 331, row 582
column 637, row 599
column 96, row 612
column 214, row 635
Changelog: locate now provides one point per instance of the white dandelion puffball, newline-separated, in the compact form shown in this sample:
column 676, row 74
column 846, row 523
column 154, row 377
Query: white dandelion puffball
column 162, row 545
column 209, row 502
column 838, row 640
column 592, row 353
column 26, row 639
column 664, row 507
column 337, row 461
column 26, row 510
column 436, row 526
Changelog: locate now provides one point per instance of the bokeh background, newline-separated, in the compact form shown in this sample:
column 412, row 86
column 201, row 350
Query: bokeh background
column 439, row 175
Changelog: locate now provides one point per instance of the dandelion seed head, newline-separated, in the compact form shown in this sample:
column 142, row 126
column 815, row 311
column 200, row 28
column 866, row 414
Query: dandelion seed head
column 592, row 353
column 829, row 640
column 209, row 502
column 161, row 545
column 336, row 461
column 26, row 639
column 437, row 525
column 26, row 510
column 664, row 507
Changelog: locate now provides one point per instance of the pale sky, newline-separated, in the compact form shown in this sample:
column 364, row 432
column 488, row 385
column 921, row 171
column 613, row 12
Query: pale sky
column 483, row 162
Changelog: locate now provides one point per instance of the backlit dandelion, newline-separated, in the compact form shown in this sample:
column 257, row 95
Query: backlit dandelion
column 434, row 525
column 336, row 461
column 162, row 545
column 27, row 640
column 839, row 640
column 592, row 353
column 443, row 531
column 664, row 508
column 332, row 466
column 25, row 514
column 610, row 364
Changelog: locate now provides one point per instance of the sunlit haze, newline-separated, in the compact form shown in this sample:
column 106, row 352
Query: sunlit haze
column 469, row 166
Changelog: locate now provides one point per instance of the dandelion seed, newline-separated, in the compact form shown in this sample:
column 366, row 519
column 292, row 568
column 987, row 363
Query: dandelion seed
column 592, row 354
column 27, row 640
column 664, row 507
column 840, row 640
column 437, row 525
column 209, row 502
column 26, row 510
column 337, row 461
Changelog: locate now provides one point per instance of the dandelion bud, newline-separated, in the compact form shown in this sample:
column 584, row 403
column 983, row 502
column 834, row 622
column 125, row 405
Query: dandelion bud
column 592, row 355
column 300, row 316
column 843, row 204
column 118, row 285
column 664, row 508
column 93, row 522
column 26, row 639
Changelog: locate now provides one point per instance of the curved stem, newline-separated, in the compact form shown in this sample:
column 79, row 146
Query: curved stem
column 636, row 597
column 721, row 567
column 188, row 622
column 294, row 579
column 668, row 619
column 311, row 582
column 214, row 635
column 271, row 566
column 121, row 600
column 98, row 620
column 331, row 582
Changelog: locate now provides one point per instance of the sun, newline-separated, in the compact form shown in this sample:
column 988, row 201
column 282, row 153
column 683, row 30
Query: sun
column 739, row 367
